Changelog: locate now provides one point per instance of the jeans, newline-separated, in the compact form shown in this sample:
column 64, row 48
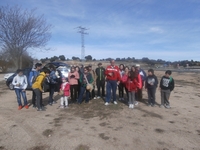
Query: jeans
column 111, row 85
column 82, row 91
column 19, row 92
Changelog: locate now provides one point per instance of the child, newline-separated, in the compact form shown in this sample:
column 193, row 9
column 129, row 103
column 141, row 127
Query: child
column 151, row 84
column 166, row 86
column 131, row 85
column 121, row 85
column 20, row 84
column 65, row 87
column 38, row 89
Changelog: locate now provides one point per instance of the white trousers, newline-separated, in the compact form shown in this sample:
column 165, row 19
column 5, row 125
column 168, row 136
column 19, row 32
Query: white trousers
column 64, row 99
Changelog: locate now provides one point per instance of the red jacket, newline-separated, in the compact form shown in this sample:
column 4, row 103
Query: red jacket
column 115, row 73
column 66, row 88
column 139, row 81
column 131, row 85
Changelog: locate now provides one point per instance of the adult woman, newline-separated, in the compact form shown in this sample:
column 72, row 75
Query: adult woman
column 85, row 78
column 73, row 78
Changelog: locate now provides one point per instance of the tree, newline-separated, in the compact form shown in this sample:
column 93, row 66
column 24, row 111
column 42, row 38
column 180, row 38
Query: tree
column 89, row 57
column 5, row 62
column 62, row 57
column 20, row 31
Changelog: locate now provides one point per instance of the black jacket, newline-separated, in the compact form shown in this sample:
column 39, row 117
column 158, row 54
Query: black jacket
column 167, row 83
column 151, row 80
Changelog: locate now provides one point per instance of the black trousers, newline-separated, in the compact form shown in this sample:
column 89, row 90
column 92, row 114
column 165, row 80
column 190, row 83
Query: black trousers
column 74, row 91
column 100, row 87
column 38, row 94
column 33, row 98
column 151, row 95
column 121, row 90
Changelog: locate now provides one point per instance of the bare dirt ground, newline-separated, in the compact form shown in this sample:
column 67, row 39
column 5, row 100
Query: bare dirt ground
column 94, row 126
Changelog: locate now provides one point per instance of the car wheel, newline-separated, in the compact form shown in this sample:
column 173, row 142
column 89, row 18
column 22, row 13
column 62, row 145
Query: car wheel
column 10, row 86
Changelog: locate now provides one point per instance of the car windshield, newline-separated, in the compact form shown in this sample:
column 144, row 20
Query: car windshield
column 63, row 69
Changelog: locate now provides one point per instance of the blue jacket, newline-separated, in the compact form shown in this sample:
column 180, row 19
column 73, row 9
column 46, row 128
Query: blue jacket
column 53, row 78
column 32, row 74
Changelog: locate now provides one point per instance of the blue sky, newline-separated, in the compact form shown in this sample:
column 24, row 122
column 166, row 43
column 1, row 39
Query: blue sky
column 157, row 29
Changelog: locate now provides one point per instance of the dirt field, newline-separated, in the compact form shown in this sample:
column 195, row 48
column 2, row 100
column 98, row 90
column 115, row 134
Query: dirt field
column 94, row 126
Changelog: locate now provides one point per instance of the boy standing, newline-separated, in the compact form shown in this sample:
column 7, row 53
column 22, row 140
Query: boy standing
column 100, row 80
column 166, row 86
column 37, row 88
column 151, row 84
column 20, row 84
column 34, row 73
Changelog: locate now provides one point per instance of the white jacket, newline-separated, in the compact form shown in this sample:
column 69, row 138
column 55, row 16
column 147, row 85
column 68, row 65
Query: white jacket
column 21, row 80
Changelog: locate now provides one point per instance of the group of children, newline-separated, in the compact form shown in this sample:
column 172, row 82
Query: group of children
column 133, row 80
column 76, row 84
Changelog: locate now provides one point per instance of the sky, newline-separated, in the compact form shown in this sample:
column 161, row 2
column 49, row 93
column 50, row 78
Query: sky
column 157, row 29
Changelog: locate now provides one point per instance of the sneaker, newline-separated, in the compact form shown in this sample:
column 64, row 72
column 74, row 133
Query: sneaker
column 20, row 107
column 136, row 103
column 98, row 97
column 120, row 99
column 115, row 102
column 40, row 109
column 66, row 106
column 132, row 106
column 26, row 106
column 94, row 98
column 54, row 102
column 161, row 106
column 167, row 106
column 34, row 106
column 61, row 106
column 106, row 103
column 50, row 104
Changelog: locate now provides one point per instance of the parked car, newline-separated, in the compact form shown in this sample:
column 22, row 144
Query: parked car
column 6, row 76
column 62, row 67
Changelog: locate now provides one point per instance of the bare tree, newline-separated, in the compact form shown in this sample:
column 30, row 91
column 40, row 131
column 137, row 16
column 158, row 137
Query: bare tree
column 22, row 31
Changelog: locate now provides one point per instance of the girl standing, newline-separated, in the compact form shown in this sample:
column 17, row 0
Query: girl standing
column 139, row 82
column 65, row 88
column 121, row 85
column 131, row 85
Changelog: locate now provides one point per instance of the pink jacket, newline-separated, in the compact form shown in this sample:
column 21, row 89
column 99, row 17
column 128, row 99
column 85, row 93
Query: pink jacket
column 73, row 80
column 66, row 88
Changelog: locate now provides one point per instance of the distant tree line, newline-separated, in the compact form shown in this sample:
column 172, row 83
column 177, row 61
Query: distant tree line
column 145, row 60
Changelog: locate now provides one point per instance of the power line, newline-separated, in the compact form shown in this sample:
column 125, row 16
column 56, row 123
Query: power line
column 81, row 30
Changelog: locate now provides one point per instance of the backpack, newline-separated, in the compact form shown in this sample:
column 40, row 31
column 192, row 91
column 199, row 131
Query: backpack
column 34, row 79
